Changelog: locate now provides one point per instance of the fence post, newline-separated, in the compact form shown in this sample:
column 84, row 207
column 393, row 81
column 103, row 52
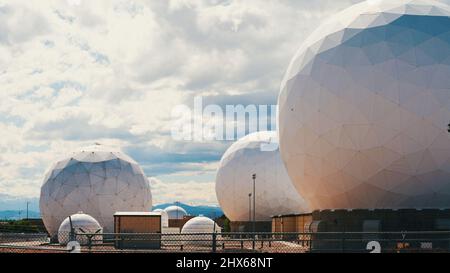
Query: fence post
column 89, row 242
column 254, row 241
column 214, row 242
column 72, row 236
column 343, row 242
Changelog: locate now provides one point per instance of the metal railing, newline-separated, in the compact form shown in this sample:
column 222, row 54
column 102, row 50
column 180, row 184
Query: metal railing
column 334, row 242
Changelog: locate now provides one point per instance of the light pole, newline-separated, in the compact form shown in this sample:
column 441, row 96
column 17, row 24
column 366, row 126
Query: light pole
column 27, row 208
column 254, row 210
column 254, row 202
column 249, row 208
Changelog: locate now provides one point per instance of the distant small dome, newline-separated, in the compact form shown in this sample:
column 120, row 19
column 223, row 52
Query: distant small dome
column 175, row 212
column 82, row 224
column 164, row 217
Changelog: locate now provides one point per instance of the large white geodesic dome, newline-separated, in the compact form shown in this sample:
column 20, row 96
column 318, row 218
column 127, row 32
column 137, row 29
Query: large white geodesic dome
column 258, row 154
column 98, row 181
column 364, row 109
column 175, row 212
column 84, row 227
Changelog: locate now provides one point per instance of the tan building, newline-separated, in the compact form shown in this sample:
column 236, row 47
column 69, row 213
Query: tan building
column 146, row 224
column 291, row 223
column 179, row 223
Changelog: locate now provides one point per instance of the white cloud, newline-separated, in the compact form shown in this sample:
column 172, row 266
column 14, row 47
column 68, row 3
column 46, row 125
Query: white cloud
column 112, row 71
column 192, row 192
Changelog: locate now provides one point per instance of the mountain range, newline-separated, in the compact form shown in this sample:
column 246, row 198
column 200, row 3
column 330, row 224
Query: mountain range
column 13, row 208
column 208, row 211
column 18, row 214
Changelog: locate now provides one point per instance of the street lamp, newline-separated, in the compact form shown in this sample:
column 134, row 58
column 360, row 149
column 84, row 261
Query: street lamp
column 254, row 202
column 254, row 210
column 249, row 208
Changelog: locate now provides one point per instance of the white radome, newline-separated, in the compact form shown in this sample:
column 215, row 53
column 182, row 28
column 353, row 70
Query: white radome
column 204, row 227
column 258, row 154
column 365, row 108
column 175, row 212
column 164, row 217
column 82, row 224
column 98, row 181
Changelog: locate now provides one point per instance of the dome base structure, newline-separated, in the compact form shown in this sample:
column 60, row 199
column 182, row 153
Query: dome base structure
column 260, row 226
column 352, row 230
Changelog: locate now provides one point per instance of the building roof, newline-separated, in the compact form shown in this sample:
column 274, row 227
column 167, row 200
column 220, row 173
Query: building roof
column 137, row 213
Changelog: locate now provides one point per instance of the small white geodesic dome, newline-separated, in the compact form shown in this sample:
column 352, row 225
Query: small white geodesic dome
column 258, row 154
column 365, row 107
column 82, row 224
column 164, row 217
column 203, row 226
column 99, row 181
column 175, row 212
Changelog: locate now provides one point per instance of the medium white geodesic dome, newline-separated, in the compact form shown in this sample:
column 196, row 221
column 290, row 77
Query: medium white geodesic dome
column 164, row 217
column 82, row 224
column 364, row 109
column 258, row 154
column 203, row 226
column 175, row 212
column 97, row 181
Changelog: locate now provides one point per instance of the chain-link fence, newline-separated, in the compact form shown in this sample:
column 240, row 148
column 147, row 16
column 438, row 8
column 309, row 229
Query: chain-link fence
column 350, row 242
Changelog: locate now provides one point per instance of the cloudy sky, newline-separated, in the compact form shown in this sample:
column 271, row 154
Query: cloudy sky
column 76, row 72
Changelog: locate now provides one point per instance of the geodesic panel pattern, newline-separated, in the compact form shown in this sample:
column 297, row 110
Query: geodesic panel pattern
column 275, row 194
column 96, row 182
column 364, row 109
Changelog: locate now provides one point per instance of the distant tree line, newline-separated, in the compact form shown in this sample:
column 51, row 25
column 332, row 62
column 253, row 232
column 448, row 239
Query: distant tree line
column 21, row 226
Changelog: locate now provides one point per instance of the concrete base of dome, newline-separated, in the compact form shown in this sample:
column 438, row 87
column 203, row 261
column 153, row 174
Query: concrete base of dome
column 382, row 220
column 351, row 230
column 260, row 226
